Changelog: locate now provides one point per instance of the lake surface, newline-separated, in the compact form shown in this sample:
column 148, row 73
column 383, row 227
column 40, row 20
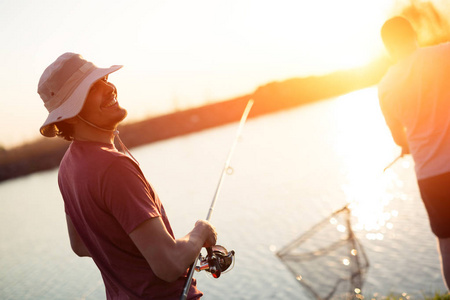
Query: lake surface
column 291, row 170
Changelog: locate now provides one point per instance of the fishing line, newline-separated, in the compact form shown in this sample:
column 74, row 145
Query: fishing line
column 226, row 170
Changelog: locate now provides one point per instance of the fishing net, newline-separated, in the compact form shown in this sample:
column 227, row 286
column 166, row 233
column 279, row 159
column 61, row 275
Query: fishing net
column 328, row 260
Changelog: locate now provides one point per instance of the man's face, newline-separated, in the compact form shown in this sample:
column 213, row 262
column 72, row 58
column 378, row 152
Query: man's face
column 101, row 107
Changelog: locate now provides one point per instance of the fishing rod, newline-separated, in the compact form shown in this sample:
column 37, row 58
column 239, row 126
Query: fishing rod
column 218, row 259
column 393, row 162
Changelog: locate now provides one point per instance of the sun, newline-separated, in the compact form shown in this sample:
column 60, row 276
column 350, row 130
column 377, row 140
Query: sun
column 317, row 36
column 343, row 39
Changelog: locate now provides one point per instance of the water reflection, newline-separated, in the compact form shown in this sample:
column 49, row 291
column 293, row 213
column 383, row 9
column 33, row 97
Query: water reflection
column 271, row 198
column 366, row 147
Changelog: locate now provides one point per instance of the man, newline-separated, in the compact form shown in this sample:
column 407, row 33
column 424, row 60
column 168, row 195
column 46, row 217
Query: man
column 415, row 100
column 113, row 214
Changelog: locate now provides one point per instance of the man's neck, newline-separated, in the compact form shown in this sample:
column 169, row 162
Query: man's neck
column 99, row 138
column 87, row 131
column 84, row 132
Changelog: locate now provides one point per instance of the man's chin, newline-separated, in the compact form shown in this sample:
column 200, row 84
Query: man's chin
column 125, row 114
column 114, row 122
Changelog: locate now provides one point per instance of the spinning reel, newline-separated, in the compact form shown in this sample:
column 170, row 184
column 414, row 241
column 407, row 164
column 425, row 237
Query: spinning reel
column 217, row 261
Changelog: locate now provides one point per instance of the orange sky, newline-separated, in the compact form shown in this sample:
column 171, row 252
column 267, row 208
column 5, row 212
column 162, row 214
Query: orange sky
column 178, row 54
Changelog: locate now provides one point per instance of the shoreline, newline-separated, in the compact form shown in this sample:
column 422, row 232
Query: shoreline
column 45, row 153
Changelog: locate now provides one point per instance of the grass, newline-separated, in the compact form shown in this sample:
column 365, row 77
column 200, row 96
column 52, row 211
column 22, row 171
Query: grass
column 405, row 296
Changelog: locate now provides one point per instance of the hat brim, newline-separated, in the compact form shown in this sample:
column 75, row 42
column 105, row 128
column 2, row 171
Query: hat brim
column 74, row 103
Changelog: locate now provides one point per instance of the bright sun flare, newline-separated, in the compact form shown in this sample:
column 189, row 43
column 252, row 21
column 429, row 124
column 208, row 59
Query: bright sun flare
column 366, row 149
column 339, row 34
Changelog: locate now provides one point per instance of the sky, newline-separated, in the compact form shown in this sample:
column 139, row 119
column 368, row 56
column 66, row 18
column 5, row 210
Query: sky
column 178, row 54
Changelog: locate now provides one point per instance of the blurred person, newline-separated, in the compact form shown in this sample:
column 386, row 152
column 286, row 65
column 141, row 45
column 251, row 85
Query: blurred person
column 113, row 214
column 414, row 97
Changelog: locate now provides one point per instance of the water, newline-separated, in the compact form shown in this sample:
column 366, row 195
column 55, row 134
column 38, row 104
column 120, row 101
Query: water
column 291, row 170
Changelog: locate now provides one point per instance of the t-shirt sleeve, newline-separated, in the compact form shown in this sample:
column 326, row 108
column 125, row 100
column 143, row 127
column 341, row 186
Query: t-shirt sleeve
column 128, row 195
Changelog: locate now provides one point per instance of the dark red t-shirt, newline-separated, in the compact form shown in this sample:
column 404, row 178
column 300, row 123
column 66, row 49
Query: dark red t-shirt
column 107, row 196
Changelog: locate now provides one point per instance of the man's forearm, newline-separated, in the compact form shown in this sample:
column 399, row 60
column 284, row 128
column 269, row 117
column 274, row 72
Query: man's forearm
column 169, row 258
column 399, row 136
column 398, row 133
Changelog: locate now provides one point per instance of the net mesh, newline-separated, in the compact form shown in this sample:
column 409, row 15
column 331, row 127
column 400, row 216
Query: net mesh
column 328, row 259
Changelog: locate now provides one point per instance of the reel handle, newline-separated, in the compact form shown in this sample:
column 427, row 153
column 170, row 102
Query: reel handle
column 217, row 261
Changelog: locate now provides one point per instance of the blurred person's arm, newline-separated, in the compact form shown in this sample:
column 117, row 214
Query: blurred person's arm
column 398, row 133
column 395, row 126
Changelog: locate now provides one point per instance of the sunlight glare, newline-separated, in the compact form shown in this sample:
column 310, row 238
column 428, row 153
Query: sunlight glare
column 365, row 145
column 346, row 262
column 341, row 228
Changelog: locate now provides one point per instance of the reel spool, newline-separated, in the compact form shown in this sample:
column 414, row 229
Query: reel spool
column 217, row 261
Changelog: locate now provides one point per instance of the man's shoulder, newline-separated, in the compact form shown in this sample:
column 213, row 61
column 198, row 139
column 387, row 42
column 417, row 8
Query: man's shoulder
column 399, row 73
column 93, row 155
column 94, row 148
column 437, row 47
column 432, row 54
column 386, row 83
column 90, row 163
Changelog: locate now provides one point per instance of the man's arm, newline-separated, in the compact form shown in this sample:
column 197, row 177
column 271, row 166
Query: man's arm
column 169, row 258
column 76, row 243
column 395, row 126
column 398, row 134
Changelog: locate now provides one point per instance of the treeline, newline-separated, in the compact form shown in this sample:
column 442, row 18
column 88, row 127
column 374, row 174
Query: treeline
column 46, row 154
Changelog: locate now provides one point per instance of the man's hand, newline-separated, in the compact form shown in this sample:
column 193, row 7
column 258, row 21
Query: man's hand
column 405, row 150
column 208, row 231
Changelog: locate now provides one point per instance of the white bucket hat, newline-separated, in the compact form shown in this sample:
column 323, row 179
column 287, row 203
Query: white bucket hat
column 64, row 86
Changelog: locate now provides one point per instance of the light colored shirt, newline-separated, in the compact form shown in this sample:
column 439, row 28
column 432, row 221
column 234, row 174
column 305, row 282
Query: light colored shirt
column 416, row 92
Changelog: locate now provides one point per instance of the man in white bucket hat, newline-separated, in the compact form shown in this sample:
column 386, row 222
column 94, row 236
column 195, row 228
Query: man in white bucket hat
column 113, row 214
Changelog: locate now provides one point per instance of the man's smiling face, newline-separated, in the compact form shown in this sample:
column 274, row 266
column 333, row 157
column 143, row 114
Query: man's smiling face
column 101, row 107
